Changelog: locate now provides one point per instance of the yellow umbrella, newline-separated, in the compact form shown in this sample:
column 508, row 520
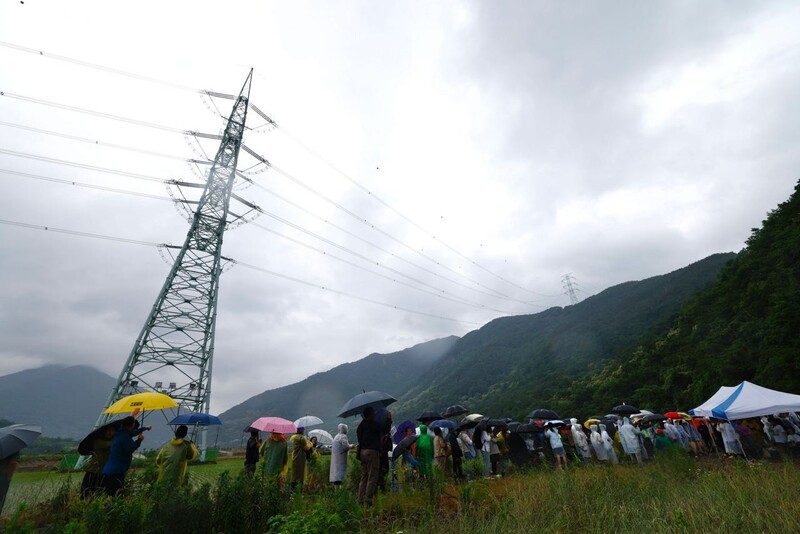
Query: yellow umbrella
column 590, row 422
column 142, row 402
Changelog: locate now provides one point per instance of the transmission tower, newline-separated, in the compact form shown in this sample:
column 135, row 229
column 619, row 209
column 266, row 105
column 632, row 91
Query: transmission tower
column 569, row 288
column 173, row 354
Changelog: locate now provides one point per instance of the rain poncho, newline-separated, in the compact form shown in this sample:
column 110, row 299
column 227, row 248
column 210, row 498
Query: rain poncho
column 423, row 449
column 299, row 447
column 729, row 438
column 339, row 451
column 608, row 445
column 581, row 443
column 173, row 460
column 276, row 455
column 598, row 445
column 629, row 437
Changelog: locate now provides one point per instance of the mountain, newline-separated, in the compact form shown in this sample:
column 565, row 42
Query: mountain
column 743, row 327
column 64, row 401
column 322, row 394
column 515, row 364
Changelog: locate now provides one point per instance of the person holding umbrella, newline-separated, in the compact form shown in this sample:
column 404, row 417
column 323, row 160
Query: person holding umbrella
column 369, row 434
column 121, row 455
column 173, row 459
column 455, row 449
column 100, row 443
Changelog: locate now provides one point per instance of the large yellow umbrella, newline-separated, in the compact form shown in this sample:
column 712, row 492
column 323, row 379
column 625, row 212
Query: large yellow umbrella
column 140, row 402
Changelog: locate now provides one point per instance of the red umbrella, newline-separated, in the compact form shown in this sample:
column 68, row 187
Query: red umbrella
column 673, row 415
column 276, row 425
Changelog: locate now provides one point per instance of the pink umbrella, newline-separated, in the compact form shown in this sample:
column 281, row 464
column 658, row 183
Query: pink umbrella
column 274, row 424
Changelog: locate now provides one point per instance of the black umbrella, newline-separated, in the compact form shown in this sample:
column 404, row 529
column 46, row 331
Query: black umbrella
column 403, row 445
column 625, row 409
column 530, row 428
column 376, row 399
column 427, row 417
column 454, row 411
column 86, row 446
column 651, row 419
column 14, row 438
column 543, row 413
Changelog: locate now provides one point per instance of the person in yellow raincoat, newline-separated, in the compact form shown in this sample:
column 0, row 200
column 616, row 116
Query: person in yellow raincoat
column 300, row 445
column 276, row 457
column 173, row 458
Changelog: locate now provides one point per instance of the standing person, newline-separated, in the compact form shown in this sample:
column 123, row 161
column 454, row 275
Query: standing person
column 93, row 478
column 608, row 444
column 494, row 452
column 121, row 455
column 465, row 442
column 439, row 449
column 454, row 443
column 581, row 442
column 7, row 467
column 629, row 436
column 369, row 446
column 730, row 439
column 598, row 444
column 339, row 450
column 300, row 445
column 557, row 445
column 173, row 459
column 251, row 453
column 423, row 452
column 276, row 457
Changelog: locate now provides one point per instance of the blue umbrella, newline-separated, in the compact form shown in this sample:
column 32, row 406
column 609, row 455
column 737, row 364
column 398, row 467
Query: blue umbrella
column 400, row 433
column 194, row 418
column 443, row 423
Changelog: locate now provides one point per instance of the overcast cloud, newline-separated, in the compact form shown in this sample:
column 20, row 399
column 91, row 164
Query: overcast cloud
column 614, row 141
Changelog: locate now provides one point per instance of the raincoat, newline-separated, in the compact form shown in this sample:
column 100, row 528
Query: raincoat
column 608, row 444
column 581, row 442
column 629, row 437
column 276, row 455
column 424, row 451
column 173, row 459
column 598, row 445
column 299, row 447
column 339, row 451
column 729, row 438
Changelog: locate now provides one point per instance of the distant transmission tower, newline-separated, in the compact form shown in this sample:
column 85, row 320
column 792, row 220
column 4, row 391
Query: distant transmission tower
column 569, row 288
column 174, row 351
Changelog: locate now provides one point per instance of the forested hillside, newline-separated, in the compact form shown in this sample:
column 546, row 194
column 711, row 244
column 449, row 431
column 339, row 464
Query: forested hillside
column 514, row 364
column 746, row 326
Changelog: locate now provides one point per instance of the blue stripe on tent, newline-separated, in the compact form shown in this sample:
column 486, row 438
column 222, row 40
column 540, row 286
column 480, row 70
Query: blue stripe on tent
column 719, row 411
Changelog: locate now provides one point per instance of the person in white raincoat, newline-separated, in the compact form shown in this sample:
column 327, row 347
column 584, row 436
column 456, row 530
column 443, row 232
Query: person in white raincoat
column 730, row 438
column 339, row 450
column 581, row 442
column 608, row 445
column 629, row 437
column 597, row 444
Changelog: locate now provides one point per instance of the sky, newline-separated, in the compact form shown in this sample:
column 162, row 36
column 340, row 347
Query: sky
column 435, row 165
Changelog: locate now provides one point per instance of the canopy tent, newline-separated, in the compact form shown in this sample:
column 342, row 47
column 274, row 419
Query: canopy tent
column 746, row 400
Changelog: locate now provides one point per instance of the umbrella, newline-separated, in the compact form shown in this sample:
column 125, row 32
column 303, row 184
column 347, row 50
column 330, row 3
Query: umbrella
column 454, row 411
column 86, row 446
column 427, row 417
column 589, row 422
column 196, row 418
column 139, row 402
column 530, row 428
column 376, row 399
column 277, row 425
column 307, row 421
column 403, row 445
column 554, row 423
column 543, row 413
column 323, row 437
column 443, row 423
column 685, row 416
column 625, row 409
column 673, row 415
column 400, row 432
column 650, row 418
column 14, row 438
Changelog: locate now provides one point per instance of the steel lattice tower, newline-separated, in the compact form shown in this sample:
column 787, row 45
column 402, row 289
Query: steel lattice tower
column 173, row 353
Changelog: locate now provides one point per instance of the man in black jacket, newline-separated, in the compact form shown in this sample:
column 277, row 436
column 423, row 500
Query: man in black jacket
column 369, row 446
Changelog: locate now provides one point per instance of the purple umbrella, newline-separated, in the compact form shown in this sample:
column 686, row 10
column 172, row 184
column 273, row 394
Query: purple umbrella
column 400, row 433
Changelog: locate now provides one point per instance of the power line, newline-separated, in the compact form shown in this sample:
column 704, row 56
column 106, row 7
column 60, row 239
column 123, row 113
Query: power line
column 243, row 264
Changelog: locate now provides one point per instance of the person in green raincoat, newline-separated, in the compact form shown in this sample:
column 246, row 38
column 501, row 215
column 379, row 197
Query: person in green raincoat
column 276, row 456
column 173, row 458
column 424, row 451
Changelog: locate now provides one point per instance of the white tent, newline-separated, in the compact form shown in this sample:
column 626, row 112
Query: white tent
column 747, row 400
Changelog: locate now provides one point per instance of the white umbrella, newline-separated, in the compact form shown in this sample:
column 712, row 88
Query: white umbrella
column 323, row 437
column 307, row 421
